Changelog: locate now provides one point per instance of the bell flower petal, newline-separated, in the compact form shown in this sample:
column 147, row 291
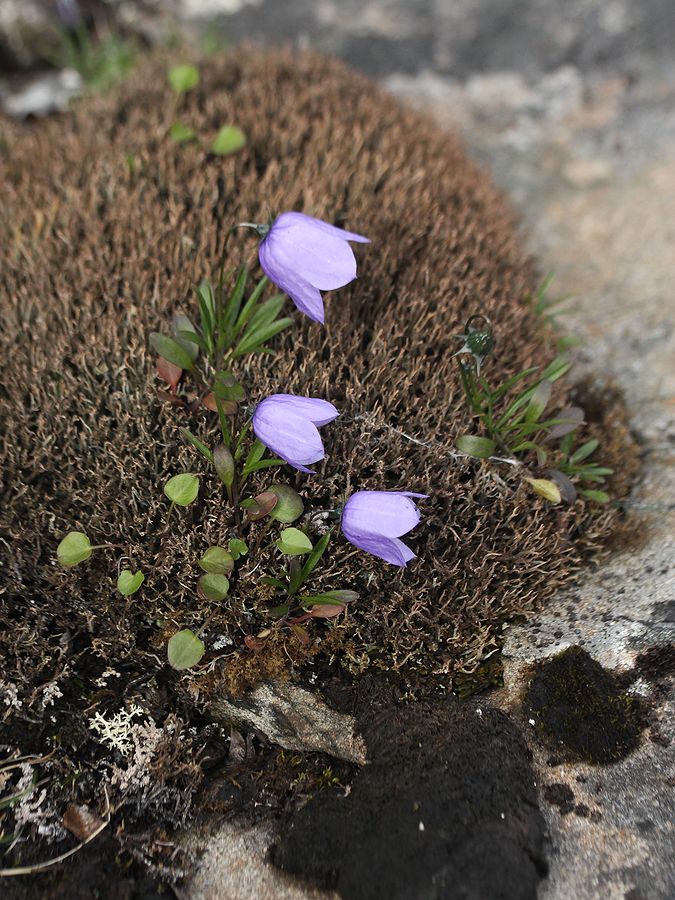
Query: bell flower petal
column 323, row 226
column 306, row 297
column 374, row 520
column 388, row 513
column 391, row 550
column 320, row 412
column 303, row 256
column 287, row 425
column 325, row 261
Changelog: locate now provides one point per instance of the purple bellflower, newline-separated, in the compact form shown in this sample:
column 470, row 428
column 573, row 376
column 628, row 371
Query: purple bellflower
column 375, row 520
column 304, row 256
column 289, row 427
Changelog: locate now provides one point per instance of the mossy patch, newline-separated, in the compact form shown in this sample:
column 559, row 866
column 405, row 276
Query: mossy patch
column 106, row 225
column 583, row 709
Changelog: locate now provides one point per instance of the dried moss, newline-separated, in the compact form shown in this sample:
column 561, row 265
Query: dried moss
column 106, row 225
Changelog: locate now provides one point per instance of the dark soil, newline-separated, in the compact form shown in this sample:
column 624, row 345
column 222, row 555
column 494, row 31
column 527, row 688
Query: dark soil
column 100, row 871
column 446, row 809
column 583, row 709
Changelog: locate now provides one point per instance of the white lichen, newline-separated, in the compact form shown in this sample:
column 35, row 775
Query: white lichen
column 10, row 695
column 115, row 732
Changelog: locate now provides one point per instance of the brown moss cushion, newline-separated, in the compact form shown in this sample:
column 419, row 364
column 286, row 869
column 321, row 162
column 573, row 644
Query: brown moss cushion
column 106, row 224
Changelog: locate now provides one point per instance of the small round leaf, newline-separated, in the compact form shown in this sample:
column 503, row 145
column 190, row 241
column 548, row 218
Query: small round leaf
column 74, row 549
column 184, row 649
column 237, row 547
column 214, row 587
column 228, row 140
column 293, row 542
column 182, row 134
column 182, row 489
column 217, row 561
column 183, row 78
column 289, row 505
column 129, row 582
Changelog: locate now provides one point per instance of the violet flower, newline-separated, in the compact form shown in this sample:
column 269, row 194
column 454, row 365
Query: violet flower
column 304, row 256
column 288, row 426
column 375, row 520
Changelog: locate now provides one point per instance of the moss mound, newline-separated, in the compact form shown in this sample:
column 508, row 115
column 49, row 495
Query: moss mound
column 584, row 709
column 106, row 225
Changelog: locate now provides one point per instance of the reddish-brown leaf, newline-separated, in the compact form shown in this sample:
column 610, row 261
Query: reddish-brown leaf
column 168, row 372
column 326, row 610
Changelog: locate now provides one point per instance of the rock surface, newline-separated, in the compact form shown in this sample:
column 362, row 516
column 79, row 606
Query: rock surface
column 295, row 719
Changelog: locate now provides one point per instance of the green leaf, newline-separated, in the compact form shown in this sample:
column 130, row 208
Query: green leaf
column 237, row 547
column 214, row 586
column 224, row 465
column 182, row 489
column 547, row 489
column 276, row 612
column 74, row 549
column 557, row 368
column 171, row 350
column 289, row 505
column 235, row 298
column 129, row 582
column 599, row 471
column 265, row 464
column 251, row 304
column 511, row 382
column 251, row 342
column 228, row 388
column 329, row 598
column 183, row 78
column 538, row 401
column 185, row 334
column 311, row 563
column 273, row 582
column 203, row 449
column 217, row 561
column 184, row 650
column 566, row 444
column 472, row 445
column 596, row 496
column 584, row 451
column 182, row 134
column 255, row 454
column 293, row 542
column 207, row 312
column 228, row 140
column 265, row 313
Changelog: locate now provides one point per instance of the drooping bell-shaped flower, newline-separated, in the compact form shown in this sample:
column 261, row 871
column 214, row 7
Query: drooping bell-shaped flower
column 374, row 521
column 304, row 256
column 289, row 427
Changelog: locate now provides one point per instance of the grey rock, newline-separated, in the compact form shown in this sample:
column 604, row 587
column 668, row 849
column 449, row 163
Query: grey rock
column 296, row 719
column 48, row 93
column 235, row 867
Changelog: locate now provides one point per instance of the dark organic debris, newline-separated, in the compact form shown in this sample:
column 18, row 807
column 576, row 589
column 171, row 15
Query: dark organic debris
column 584, row 709
column 447, row 808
